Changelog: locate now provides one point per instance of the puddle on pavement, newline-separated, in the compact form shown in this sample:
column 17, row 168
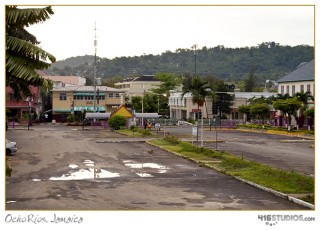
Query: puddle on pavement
column 83, row 174
column 11, row 201
column 89, row 163
column 133, row 165
column 73, row 166
column 144, row 175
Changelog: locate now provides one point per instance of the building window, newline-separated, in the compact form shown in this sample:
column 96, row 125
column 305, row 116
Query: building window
column 308, row 88
column 63, row 96
column 288, row 89
column 301, row 88
column 110, row 95
column 293, row 90
column 282, row 89
column 11, row 97
column 117, row 95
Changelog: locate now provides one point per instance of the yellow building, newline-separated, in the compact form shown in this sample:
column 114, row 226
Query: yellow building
column 139, row 85
column 73, row 99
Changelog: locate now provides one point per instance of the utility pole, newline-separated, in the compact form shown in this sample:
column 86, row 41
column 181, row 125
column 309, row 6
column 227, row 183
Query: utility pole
column 94, row 68
column 194, row 47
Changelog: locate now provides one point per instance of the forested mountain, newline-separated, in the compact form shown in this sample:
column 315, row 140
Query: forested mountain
column 269, row 60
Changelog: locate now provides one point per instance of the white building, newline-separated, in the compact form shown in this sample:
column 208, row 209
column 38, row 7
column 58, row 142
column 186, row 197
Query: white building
column 299, row 80
column 182, row 108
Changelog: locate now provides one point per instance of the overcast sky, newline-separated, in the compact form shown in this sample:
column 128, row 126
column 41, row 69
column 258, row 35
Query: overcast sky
column 138, row 30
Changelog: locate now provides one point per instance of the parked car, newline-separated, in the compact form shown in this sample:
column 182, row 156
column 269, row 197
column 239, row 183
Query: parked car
column 11, row 147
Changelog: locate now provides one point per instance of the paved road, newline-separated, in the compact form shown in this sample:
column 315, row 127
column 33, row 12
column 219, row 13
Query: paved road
column 58, row 168
column 285, row 152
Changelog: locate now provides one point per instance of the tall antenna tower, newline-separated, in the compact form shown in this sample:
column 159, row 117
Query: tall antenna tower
column 95, row 69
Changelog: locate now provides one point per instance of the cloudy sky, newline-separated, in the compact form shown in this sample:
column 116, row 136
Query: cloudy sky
column 135, row 30
column 138, row 30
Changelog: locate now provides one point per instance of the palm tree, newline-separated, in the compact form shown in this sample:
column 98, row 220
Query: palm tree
column 23, row 56
column 199, row 90
column 304, row 98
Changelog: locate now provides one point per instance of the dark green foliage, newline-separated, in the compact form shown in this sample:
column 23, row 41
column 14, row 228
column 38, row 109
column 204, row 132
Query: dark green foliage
column 117, row 121
column 23, row 56
column 222, row 102
column 288, row 106
column 262, row 110
column 145, row 132
column 251, row 81
column 70, row 118
column 133, row 128
column 172, row 139
column 150, row 103
column 270, row 60
column 309, row 112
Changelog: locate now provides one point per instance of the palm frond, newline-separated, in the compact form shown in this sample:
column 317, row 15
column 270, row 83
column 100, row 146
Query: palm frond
column 25, row 61
column 20, row 88
column 26, row 48
column 26, row 17
column 22, row 34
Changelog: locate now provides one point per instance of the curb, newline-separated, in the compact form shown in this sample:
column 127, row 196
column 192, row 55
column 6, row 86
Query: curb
column 279, row 194
column 276, row 193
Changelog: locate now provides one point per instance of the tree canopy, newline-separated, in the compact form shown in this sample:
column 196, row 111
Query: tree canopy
column 23, row 56
column 270, row 60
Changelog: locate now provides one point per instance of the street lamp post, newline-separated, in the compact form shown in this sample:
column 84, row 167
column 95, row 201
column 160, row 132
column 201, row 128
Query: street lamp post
column 194, row 47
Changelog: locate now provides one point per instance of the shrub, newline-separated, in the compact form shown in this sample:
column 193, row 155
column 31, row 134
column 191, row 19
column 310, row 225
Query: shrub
column 172, row 139
column 145, row 132
column 116, row 121
column 133, row 128
column 70, row 118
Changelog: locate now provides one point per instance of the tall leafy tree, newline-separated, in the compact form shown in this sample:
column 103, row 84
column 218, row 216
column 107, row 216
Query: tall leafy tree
column 221, row 99
column 168, row 82
column 245, row 109
column 304, row 98
column 23, row 56
column 288, row 106
column 260, row 109
column 250, row 81
column 199, row 90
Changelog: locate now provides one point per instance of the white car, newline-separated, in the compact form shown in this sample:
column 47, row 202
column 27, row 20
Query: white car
column 11, row 147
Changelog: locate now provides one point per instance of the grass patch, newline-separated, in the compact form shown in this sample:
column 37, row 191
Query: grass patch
column 308, row 198
column 135, row 133
column 265, row 175
column 276, row 130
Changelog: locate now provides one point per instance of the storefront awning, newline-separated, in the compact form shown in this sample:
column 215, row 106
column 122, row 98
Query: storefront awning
column 90, row 108
column 62, row 110
column 147, row 115
column 97, row 115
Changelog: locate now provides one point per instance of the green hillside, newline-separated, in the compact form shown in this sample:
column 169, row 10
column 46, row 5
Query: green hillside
column 269, row 59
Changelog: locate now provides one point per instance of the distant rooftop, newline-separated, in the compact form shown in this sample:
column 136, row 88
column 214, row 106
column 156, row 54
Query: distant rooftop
column 72, row 80
column 88, row 88
column 304, row 72
column 141, row 78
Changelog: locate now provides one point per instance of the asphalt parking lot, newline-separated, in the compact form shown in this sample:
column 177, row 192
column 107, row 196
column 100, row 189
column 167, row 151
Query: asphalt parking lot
column 61, row 168
column 286, row 152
